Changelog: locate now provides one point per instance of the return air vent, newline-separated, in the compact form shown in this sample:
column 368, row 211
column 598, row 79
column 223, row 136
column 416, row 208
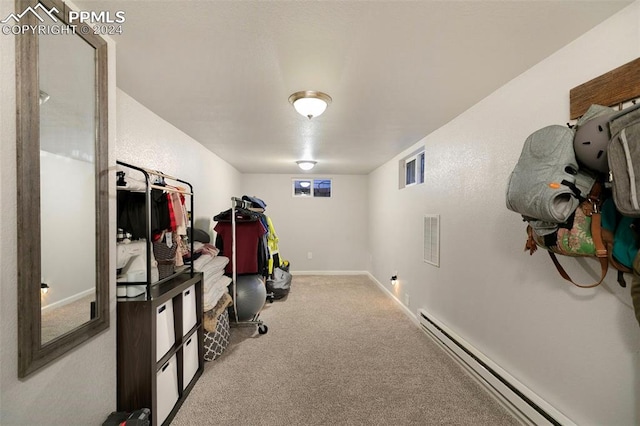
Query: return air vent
column 432, row 239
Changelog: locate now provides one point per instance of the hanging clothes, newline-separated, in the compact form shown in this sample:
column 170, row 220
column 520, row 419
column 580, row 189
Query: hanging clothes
column 255, row 202
column 131, row 213
column 250, row 258
column 272, row 244
column 242, row 215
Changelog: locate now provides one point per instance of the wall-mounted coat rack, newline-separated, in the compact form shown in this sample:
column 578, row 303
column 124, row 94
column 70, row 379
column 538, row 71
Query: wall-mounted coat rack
column 610, row 89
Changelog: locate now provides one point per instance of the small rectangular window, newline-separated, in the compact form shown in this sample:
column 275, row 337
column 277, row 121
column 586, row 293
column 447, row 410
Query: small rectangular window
column 410, row 172
column 312, row 188
column 302, row 188
column 412, row 169
column 322, row 188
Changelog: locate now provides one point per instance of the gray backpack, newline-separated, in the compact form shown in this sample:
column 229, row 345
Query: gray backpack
column 546, row 184
column 624, row 160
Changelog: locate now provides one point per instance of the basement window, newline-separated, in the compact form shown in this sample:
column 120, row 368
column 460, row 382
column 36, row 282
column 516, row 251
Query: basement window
column 312, row 188
column 411, row 169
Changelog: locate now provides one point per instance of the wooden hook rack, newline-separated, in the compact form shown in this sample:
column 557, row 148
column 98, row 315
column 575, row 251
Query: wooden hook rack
column 610, row 89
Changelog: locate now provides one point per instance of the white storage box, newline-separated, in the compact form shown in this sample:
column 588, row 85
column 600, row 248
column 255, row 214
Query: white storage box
column 188, row 309
column 190, row 357
column 167, row 390
column 165, row 333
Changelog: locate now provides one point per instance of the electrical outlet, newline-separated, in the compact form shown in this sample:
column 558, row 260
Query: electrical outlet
column 309, row 255
column 406, row 299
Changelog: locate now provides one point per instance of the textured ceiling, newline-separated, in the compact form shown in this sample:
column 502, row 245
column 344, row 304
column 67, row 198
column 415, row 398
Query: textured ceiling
column 222, row 71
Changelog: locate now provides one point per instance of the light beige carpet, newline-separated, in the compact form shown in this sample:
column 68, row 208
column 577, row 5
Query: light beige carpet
column 338, row 352
column 62, row 319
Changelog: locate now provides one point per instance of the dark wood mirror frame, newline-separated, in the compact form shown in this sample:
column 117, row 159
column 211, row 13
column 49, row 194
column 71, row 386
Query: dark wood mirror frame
column 32, row 354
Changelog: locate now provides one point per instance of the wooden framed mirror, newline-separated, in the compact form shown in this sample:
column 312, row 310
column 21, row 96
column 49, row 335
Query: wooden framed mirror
column 62, row 183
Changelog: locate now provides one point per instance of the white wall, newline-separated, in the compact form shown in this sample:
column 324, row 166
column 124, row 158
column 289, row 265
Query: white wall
column 146, row 140
column 80, row 387
column 70, row 223
column 576, row 348
column 333, row 229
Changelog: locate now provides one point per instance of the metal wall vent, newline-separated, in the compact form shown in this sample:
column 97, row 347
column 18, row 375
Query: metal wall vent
column 432, row 239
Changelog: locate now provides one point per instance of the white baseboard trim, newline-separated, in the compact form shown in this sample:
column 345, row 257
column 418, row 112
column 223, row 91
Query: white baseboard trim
column 68, row 300
column 393, row 297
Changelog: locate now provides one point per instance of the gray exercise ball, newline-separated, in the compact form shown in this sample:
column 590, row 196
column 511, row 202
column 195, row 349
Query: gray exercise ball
column 251, row 294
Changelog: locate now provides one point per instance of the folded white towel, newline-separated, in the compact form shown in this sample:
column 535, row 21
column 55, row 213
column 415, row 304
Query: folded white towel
column 200, row 262
column 207, row 263
column 213, row 291
column 211, row 282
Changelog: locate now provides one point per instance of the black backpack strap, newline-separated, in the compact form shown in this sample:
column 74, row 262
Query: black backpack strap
column 572, row 186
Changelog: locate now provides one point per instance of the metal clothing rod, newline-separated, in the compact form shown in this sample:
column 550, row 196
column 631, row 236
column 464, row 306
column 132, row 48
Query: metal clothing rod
column 149, row 171
column 163, row 188
column 262, row 328
column 146, row 172
column 170, row 189
column 233, row 255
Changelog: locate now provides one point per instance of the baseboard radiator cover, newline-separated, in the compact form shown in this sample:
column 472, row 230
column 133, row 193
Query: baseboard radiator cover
column 516, row 397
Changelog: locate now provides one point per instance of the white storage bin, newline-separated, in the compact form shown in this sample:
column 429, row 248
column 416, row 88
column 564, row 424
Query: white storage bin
column 190, row 357
column 165, row 333
column 167, row 390
column 188, row 309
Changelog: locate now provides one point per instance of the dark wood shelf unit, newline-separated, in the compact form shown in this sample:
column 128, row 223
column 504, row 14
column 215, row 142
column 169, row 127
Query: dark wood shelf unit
column 144, row 379
column 138, row 366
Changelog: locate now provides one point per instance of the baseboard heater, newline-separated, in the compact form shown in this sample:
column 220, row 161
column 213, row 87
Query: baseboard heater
column 517, row 398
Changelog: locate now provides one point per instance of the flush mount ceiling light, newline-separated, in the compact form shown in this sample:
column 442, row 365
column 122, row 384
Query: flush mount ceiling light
column 310, row 103
column 306, row 164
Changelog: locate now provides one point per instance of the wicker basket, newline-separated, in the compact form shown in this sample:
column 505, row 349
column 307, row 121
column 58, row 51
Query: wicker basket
column 166, row 258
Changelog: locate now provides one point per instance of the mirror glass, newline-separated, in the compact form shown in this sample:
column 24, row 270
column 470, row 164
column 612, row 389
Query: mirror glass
column 62, row 185
column 67, row 182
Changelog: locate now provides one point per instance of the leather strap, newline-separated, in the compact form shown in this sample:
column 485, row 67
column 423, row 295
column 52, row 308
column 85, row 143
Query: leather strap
column 604, row 267
column 530, row 245
column 596, row 234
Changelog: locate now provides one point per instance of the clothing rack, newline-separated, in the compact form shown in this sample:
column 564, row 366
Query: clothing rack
column 244, row 204
column 149, row 185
